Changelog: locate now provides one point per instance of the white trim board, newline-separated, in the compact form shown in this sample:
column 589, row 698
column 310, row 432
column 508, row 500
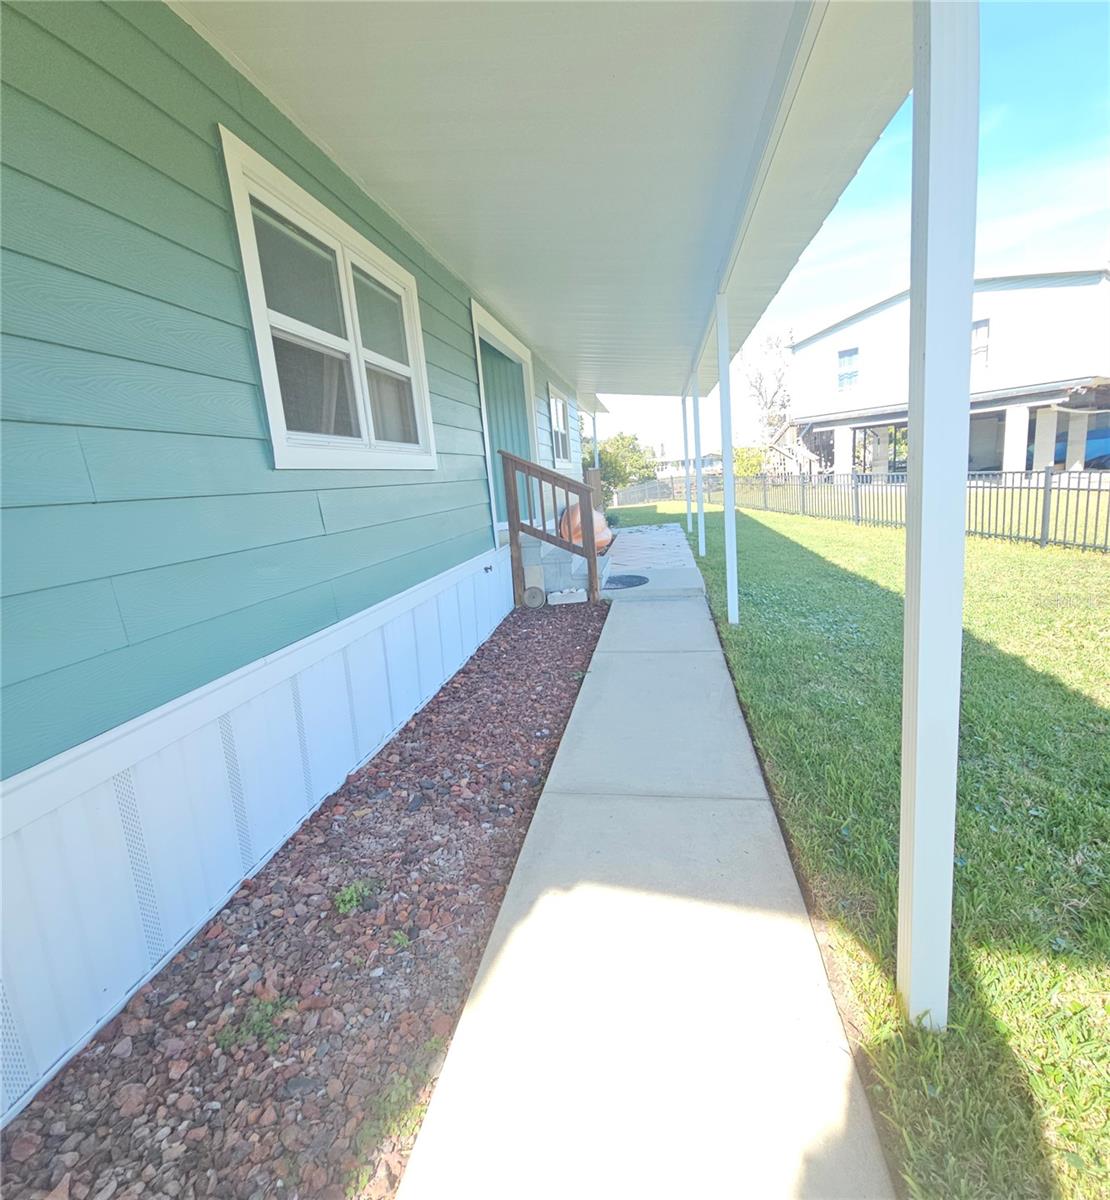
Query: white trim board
column 116, row 852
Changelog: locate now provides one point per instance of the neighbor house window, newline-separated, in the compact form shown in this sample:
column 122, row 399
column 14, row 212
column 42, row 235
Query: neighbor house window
column 847, row 368
column 337, row 326
column 980, row 343
column 560, row 426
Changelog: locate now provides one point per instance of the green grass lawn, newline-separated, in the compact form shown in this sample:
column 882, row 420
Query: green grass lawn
column 1013, row 1100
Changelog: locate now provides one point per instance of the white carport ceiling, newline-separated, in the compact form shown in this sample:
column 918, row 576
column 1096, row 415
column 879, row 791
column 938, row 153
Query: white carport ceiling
column 595, row 171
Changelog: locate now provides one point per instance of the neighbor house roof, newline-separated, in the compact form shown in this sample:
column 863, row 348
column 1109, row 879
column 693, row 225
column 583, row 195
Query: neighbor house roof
column 982, row 283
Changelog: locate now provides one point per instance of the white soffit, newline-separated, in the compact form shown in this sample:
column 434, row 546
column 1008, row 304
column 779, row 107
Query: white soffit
column 848, row 84
column 586, row 167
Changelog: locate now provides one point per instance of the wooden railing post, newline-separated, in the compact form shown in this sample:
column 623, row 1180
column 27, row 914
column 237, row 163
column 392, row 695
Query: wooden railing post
column 593, row 479
column 512, row 510
column 589, row 544
column 586, row 548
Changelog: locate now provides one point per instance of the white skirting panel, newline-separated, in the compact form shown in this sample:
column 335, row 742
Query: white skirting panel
column 116, row 852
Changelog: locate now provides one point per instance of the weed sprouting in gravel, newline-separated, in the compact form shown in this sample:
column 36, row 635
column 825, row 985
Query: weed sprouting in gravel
column 258, row 1023
column 353, row 895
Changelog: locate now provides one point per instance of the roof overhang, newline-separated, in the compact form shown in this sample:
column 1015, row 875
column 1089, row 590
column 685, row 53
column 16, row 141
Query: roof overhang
column 1085, row 394
column 596, row 172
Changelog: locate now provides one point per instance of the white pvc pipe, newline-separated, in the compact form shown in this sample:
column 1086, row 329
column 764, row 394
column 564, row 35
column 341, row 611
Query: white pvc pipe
column 728, row 474
column 697, row 466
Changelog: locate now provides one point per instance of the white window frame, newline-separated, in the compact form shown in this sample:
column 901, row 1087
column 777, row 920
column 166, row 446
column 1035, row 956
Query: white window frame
column 250, row 176
column 981, row 347
column 847, row 379
column 555, row 398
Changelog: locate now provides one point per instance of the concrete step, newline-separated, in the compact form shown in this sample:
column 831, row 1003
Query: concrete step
column 560, row 569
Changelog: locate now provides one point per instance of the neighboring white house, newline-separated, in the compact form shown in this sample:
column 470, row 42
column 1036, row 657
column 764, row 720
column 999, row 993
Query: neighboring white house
column 668, row 464
column 1040, row 379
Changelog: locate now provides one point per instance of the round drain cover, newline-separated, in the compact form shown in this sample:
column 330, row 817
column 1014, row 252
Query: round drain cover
column 615, row 583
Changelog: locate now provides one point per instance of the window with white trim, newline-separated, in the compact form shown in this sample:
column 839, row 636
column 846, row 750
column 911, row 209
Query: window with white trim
column 337, row 326
column 559, row 408
column 980, row 343
column 847, row 368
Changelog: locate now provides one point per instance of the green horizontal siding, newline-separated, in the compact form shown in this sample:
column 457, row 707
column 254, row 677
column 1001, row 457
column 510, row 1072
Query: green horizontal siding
column 127, row 464
column 167, row 598
column 42, row 631
column 44, row 382
column 44, row 223
column 149, row 546
column 42, row 464
column 370, row 585
column 56, row 305
column 52, row 546
column 102, row 692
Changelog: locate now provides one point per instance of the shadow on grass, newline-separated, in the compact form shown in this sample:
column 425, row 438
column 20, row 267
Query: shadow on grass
column 1008, row 1102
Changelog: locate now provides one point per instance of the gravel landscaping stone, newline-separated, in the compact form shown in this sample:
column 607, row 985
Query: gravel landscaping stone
column 290, row 1049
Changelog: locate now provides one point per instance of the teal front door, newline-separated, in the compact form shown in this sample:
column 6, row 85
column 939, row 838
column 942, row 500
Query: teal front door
column 507, row 411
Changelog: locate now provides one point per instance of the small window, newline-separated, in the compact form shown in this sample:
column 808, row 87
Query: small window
column 560, row 426
column 847, row 366
column 337, row 325
column 980, row 343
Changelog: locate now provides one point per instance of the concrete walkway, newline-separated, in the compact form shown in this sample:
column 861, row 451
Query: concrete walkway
column 651, row 1018
column 662, row 553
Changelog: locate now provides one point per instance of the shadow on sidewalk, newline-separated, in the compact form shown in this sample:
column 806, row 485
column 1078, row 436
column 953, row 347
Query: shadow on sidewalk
column 817, row 663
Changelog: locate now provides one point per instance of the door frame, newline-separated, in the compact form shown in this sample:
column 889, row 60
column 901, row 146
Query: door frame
column 488, row 328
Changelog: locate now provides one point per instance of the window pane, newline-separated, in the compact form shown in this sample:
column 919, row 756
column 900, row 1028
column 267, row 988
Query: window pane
column 316, row 391
column 380, row 318
column 300, row 276
column 392, row 407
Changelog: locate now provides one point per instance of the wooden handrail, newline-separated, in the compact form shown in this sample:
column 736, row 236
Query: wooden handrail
column 511, row 465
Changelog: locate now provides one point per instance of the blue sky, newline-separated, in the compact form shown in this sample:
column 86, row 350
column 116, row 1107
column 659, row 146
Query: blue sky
column 1044, row 190
column 1044, row 169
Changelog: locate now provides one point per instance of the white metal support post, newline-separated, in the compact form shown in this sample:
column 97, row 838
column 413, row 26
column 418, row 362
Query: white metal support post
column 1076, row 453
column 686, row 468
column 597, row 452
column 698, row 485
column 942, row 257
column 1015, row 437
column 728, row 474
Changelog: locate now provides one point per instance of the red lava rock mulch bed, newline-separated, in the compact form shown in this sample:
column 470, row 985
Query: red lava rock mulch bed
column 290, row 1048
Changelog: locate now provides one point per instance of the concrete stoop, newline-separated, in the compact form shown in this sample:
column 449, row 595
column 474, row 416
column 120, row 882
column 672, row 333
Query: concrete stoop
column 556, row 570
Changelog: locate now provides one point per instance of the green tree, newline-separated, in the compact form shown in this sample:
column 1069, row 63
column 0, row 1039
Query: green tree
column 623, row 461
column 747, row 460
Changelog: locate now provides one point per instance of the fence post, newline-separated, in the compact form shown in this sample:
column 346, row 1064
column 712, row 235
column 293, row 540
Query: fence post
column 764, row 491
column 802, row 494
column 855, row 497
column 1046, row 505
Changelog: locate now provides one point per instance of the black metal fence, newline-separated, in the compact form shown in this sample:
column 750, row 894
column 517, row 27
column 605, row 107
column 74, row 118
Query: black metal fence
column 1061, row 508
